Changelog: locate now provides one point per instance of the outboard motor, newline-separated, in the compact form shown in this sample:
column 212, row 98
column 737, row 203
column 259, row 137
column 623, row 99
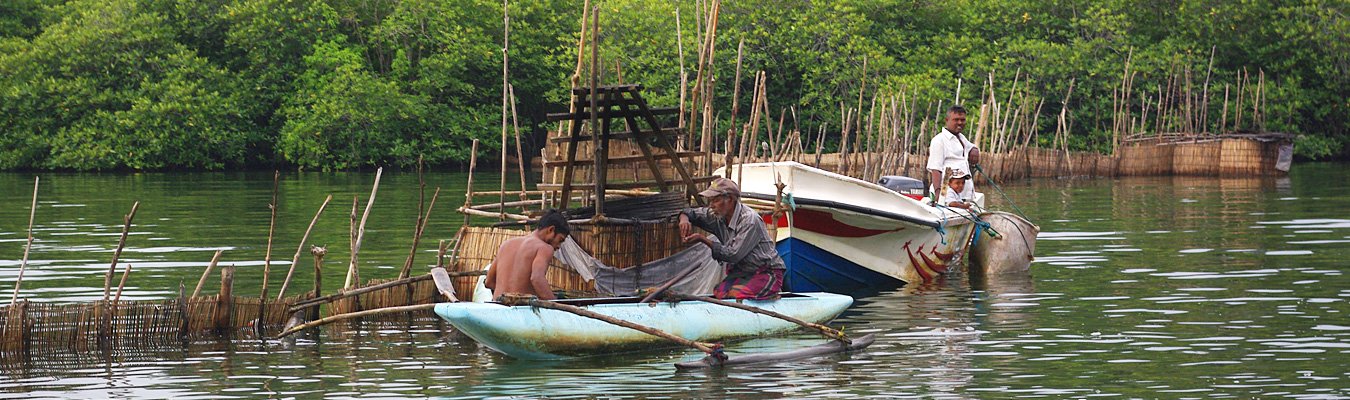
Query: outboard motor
column 910, row 187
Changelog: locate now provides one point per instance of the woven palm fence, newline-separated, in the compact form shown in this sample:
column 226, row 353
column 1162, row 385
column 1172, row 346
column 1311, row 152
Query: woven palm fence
column 31, row 326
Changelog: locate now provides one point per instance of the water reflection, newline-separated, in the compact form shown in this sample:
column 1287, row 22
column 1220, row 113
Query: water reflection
column 1142, row 288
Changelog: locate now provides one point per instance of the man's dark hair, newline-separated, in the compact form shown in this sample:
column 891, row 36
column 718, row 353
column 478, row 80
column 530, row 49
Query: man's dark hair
column 956, row 110
column 555, row 219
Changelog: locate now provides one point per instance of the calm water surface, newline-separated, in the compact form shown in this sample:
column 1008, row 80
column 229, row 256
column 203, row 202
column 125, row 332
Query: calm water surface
column 1142, row 288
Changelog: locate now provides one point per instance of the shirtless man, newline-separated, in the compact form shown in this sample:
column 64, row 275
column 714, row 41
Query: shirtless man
column 522, row 263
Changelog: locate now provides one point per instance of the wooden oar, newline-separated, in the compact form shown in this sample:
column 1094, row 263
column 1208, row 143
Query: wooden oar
column 832, row 346
column 824, row 330
column 713, row 350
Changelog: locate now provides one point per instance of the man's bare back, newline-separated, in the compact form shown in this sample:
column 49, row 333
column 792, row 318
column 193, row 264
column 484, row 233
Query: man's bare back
column 521, row 266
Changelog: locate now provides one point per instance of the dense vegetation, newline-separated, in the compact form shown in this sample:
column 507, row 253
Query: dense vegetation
column 211, row 84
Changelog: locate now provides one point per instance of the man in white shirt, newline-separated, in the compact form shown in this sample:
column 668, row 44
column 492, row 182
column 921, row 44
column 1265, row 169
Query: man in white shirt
column 951, row 149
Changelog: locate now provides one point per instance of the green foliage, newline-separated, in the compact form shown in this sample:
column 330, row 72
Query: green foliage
column 344, row 116
column 107, row 87
column 209, row 84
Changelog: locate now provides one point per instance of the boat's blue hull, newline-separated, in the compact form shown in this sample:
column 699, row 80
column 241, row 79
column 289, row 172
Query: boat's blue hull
column 812, row 269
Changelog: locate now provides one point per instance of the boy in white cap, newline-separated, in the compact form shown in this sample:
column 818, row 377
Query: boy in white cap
column 956, row 186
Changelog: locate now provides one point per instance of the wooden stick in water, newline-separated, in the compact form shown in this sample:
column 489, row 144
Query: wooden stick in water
column 349, row 293
column 209, row 267
column 295, row 259
column 267, row 256
column 520, row 153
column 358, row 314
column 32, row 212
column 417, row 236
column 468, row 194
column 121, row 243
column 352, row 275
column 318, row 253
column 506, row 94
column 121, row 285
column 442, row 248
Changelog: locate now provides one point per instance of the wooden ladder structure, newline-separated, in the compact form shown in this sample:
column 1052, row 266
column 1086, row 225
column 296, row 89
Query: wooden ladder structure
column 599, row 107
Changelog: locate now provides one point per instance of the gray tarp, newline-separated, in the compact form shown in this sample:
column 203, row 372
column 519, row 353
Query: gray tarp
column 627, row 281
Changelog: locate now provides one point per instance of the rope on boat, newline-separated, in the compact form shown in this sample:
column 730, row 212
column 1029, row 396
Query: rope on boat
column 1000, row 191
column 980, row 225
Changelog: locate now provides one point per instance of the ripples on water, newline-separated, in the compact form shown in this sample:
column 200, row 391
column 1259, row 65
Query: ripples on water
column 1143, row 287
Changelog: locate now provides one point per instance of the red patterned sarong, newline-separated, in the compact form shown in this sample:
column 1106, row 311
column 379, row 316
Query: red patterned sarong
column 764, row 284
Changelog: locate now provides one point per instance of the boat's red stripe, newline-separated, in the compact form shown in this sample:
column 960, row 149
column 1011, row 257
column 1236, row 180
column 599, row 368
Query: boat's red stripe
column 923, row 272
column 824, row 223
column 937, row 266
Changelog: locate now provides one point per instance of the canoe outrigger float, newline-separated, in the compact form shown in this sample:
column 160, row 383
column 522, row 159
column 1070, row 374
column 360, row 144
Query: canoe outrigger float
column 539, row 333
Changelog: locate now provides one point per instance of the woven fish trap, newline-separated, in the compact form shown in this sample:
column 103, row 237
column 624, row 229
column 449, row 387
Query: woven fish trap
column 1200, row 158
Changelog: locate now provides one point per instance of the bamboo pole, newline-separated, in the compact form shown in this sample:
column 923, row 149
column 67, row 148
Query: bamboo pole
column 520, row 152
column 352, row 274
column 471, row 211
column 684, row 76
column 351, row 226
column 600, row 146
column 506, row 91
column 318, row 253
column 23, row 264
column 224, row 300
column 417, row 236
column 267, row 256
column 735, row 101
column 121, row 285
column 294, row 259
column 468, row 194
column 355, row 292
column 443, row 247
column 121, row 243
column 351, row 315
column 212, row 265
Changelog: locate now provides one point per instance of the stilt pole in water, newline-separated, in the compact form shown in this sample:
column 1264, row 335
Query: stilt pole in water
column 267, row 256
column 296, row 259
column 32, row 212
column 468, row 194
column 352, row 275
column 417, row 234
column 225, row 301
column 358, row 314
column 121, row 243
column 318, row 253
column 210, row 266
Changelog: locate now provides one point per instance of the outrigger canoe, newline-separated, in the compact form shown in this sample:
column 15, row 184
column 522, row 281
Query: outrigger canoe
column 537, row 333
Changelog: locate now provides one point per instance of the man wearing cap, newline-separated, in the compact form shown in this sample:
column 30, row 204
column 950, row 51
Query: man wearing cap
column 950, row 149
column 754, row 270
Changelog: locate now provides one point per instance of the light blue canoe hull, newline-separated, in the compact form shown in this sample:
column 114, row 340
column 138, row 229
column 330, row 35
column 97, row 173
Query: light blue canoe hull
column 537, row 333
